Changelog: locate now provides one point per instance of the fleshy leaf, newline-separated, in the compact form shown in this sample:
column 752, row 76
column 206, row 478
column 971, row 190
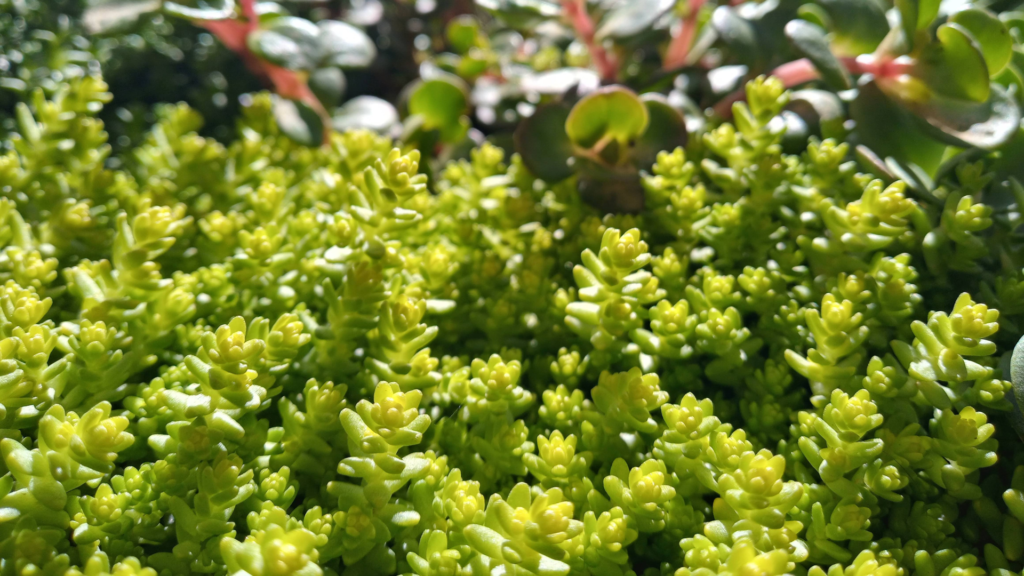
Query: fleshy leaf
column 811, row 42
column 442, row 104
column 543, row 144
column 954, row 66
column 990, row 33
column 344, row 45
column 299, row 121
column 367, row 112
column 201, row 9
column 666, row 130
column 985, row 125
column 608, row 114
column 290, row 42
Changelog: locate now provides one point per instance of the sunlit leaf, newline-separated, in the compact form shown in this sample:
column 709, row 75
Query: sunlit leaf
column 991, row 34
column 611, row 113
column 954, row 66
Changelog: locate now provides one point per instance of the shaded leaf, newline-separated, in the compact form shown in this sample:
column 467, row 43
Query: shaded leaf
column 986, row 125
column 666, row 130
column 610, row 190
column 891, row 130
column 810, row 41
column 543, row 144
column 328, row 85
column 344, row 45
column 299, row 121
column 738, row 34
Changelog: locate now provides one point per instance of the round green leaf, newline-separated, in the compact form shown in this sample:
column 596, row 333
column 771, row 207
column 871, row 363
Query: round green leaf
column 986, row 125
column 810, row 41
column 201, row 9
column 289, row 42
column 442, row 104
column 856, row 26
column 954, row 66
column 542, row 143
column 328, row 85
column 666, row 130
column 990, row 33
column 633, row 17
column 611, row 113
column 345, row 46
column 462, row 33
column 367, row 112
column 298, row 121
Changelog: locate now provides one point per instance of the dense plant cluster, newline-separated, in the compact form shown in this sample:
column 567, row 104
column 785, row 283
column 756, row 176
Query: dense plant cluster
column 609, row 288
column 267, row 359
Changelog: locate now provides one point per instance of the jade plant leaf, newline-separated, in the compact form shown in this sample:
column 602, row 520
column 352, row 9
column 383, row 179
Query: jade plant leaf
column 442, row 104
column 344, row 45
column 290, row 42
column 856, row 26
column 632, row 17
column 328, row 85
column 916, row 15
column 991, row 34
column 666, row 130
column 201, row 9
column 961, row 123
column 367, row 112
column 954, row 66
column 812, row 43
column 543, row 144
column 611, row 114
column 299, row 121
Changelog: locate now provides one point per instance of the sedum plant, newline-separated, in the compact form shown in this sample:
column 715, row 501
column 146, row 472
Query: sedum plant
column 264, row 358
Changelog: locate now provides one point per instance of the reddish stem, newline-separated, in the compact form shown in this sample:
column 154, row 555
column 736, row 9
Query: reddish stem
column 801, row 71
column 287, row 83
column 575, row 12
column 679, row 48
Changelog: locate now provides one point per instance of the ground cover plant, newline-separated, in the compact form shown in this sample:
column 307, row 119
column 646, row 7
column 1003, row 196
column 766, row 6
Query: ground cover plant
column 610, row 333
